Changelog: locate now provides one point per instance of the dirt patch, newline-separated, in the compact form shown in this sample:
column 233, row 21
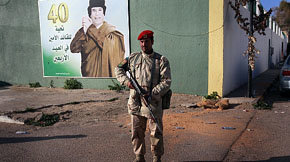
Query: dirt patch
column 187, row 131
column 75, row 113
column 84, row 106
column 94, row 106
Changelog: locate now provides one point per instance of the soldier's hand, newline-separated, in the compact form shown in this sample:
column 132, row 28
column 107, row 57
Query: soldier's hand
column 147, row 96
column 129, row 84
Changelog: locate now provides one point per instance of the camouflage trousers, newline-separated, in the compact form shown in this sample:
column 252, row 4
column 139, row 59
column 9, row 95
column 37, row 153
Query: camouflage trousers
column 139, row 124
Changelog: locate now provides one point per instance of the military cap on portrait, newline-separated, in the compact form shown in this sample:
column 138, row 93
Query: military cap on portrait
column 96, row 3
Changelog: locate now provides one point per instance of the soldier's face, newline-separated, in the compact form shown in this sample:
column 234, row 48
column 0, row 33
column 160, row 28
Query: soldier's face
column 97, row 15
column 146, row 45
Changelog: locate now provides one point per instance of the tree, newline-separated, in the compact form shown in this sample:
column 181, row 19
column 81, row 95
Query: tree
column 256, row 23
column 282, row 16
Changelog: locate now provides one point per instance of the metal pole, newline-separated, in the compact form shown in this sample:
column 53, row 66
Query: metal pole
column 250, row 93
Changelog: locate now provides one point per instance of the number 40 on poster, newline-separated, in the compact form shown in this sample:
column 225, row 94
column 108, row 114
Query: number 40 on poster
column 59, row 12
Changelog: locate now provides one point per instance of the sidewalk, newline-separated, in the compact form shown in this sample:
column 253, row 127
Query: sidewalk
column 11, row 100
column 260, row 85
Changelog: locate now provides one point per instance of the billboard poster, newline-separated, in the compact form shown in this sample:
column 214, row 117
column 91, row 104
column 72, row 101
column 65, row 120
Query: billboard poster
column 83, row 38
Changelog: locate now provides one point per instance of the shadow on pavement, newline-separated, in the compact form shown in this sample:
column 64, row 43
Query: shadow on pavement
column 274, row 95
column 3, row 88
column 231, row 106
column 200, row 161
column 260, row 84
column 3, row 84
column 33, row 139
column 278, row 159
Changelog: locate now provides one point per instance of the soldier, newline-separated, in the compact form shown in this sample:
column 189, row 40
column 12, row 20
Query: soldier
column 152, row 72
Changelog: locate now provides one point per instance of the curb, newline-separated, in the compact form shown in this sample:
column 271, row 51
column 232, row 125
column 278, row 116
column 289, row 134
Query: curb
column 261, row 98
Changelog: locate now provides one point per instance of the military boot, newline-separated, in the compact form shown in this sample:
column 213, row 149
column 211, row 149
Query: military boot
column 139, row 158
column 156, row 158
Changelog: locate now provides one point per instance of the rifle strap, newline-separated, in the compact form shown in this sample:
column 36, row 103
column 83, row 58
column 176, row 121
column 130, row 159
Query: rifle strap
column 152, row 74
column 135, row 61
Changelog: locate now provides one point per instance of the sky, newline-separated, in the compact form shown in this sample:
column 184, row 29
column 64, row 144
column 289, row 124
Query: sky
column 267, row 4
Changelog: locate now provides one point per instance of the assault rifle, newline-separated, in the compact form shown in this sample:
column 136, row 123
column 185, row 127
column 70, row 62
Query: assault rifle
column 141, row 93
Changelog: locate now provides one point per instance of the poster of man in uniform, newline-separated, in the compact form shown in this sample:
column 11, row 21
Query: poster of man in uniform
column 83, row 38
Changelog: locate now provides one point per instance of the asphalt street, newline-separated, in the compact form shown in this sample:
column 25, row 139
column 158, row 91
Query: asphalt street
column 267, row 135
column 98, row 128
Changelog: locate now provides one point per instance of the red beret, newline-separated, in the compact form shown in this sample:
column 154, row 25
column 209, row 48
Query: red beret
column 145, row 34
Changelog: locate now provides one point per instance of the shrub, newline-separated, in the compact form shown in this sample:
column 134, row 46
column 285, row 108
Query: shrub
column 213, row 96
column 51, row 84
column 72, row 84
column 34, row 85
column 45, row 120
column 117, row 87
column 262, row 105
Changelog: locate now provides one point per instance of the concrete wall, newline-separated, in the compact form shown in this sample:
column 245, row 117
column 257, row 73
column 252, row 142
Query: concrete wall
column 216, row 47
column 20, row 50
column 180, row 28
column 235, row 43
column 20, row 42
column 181, row 34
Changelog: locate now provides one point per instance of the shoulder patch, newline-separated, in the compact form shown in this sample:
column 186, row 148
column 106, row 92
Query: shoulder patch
column 123, row 63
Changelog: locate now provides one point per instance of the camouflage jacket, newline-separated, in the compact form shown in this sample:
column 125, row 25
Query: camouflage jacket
column 142, row 73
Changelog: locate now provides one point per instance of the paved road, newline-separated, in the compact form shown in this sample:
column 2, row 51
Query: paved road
column 100, row 131
column 269, row 135
column 107, row 138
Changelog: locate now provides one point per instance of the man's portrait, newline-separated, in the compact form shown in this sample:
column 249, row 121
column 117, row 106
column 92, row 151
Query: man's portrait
column 101, row 45
column 83, row 38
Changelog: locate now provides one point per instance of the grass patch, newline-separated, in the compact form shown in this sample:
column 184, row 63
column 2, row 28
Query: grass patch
column 51, row 84
column 72, row 84
column 45, row 120
column 262, row 105
column 213, row 96
column 34, row 85
column 117, row 87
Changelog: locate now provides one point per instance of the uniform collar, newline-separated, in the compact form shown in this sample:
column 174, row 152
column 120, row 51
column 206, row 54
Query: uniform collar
column 148, row 55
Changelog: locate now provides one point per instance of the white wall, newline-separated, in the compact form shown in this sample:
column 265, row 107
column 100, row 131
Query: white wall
column 235, row 43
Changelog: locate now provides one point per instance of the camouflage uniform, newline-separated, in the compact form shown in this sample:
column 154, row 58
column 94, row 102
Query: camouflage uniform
column 139, row 113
